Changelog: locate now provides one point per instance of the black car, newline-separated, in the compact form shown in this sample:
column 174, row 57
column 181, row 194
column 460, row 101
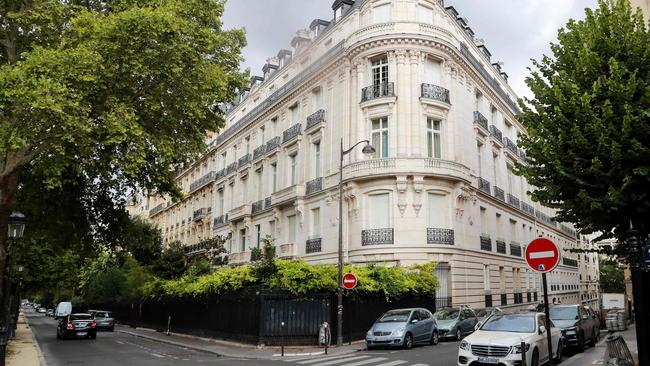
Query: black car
column 79, row 325
column 578, row 327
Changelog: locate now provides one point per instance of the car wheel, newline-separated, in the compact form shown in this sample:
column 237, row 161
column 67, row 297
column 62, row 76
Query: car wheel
column 408, row 341
column 459, row 335
column 112, row 329
column 435, row 338
column 558, row 353
column 94, row 336
column 534, row 361
column 593, row 337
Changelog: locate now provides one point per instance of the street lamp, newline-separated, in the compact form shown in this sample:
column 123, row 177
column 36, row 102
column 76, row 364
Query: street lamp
column 367, row 150
column 16, row 225
column 15, row 230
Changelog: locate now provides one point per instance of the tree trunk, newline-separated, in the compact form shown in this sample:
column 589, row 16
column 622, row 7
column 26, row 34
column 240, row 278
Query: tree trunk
column 8, row 195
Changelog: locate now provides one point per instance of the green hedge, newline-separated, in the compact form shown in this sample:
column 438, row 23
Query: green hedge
column 301, row 278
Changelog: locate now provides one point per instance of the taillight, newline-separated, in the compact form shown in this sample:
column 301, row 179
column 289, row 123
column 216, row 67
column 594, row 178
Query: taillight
column 93, row 324
column 70, row 325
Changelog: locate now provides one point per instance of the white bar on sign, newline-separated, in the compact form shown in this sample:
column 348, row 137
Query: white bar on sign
column 537, row 255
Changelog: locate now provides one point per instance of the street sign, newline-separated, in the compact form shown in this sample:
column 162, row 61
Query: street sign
column 349, row 281
column 542, row 255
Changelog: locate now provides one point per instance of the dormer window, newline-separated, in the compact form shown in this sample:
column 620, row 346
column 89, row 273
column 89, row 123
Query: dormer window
column 317, row 26
column 341, row 7
column 284, row 56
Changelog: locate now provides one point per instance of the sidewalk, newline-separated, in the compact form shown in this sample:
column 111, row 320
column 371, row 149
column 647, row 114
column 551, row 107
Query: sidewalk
column 595, row 356
column 234, row 349
column 23, row 349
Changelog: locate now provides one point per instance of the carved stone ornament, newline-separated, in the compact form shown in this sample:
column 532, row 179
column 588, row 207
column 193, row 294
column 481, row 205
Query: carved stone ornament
column 299, row 207
column 418, row 188
column 401, row 183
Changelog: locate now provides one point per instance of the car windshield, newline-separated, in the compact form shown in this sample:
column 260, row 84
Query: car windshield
column 400, row 316
column 103, row 314
column 80, row 317
column 563, row 313
column 446, row 314
column 510, row 323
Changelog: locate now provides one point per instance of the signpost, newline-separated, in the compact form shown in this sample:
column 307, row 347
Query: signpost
column 542, row 255
column 349, row 281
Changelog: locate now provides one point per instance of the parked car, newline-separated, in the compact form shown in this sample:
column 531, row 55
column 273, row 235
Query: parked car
column 595, row 318
column 578, row 328
column 63, row 309
column 42, row 310
column 498, row 341
column 403, row 328
column 49, row 312
column 104, row 320
column 455, row 323
column 77, row 325
column 484, row 313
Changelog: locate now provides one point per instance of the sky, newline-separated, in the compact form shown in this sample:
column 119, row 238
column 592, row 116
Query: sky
column 513, row 30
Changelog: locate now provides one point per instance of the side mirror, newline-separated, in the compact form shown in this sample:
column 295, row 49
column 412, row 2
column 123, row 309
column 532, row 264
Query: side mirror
column 542, row 329
column 413, row 321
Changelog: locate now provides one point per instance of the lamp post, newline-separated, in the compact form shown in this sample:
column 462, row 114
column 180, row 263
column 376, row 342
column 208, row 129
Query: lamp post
column 638, row 271
column 368, row 149
column 16, row 228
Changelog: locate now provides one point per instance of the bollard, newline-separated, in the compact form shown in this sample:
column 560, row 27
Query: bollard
column 523, row 353
column 282, row 339
column 169, row 321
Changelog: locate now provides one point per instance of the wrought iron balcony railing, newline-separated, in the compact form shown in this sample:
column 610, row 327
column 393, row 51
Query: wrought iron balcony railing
column 202, row 181
column 313, row 245
column 486, row 243
column 515, row 249
column 512, row 146
column 220, row 220
column 291, row 133
column 267, row 202
column 377, row 91
column 315, row 119
column 259, row 152
column 273, row 144
column 513, row 201
column 496, row 133
column 484, row 185
column 377, row 236
column 480, row 120
column 220, row 174
column 440, row 236
column 501, row 246
column 528, row 208
column 257, row 206
column 199, row 213
column 231, row 168
column 314, row 185
column 157, row 209
column 499, row 194
column 244, row 160
column 435, row 92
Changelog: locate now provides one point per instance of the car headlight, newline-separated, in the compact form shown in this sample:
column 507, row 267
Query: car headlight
column 398, row 332
column 464, row 345
column 571, row 330
column 369, row 334
column 517, row 349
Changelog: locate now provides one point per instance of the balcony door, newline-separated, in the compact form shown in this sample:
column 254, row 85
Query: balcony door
column 379, row 71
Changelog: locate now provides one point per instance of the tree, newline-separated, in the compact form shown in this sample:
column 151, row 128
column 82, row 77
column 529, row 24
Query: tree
column 588, row 142
column 172, row 262
column 115, row 92
column 612, row 278
column 143, row 240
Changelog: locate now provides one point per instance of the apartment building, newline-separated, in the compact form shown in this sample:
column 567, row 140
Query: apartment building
column 411, row 77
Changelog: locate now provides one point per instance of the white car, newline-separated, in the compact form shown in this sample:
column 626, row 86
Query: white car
column 498, row 341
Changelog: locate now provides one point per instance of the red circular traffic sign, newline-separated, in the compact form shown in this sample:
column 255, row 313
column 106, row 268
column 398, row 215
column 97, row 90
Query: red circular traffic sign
column 542, row 255
column 349, row 281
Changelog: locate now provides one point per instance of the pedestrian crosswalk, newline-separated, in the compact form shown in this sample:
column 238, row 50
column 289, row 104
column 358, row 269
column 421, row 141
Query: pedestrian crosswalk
column 353, row 359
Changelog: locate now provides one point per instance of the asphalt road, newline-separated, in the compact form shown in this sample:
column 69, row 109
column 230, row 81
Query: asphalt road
column 115, row 348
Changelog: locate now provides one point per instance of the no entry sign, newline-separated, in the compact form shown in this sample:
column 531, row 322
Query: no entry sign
column 542, row 255
column 349, row 281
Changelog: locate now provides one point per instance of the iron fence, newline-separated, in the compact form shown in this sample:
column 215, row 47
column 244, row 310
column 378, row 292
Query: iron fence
column 378, row 91
column 435, row 92
column 440, row 236
column 377, row 236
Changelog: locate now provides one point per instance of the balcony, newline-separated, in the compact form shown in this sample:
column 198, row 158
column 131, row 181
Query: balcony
column 157, row 209
column 377, row 236
column 273, row 144
column 257, row 206
column 499, row 194
column 220, row 220
column 243, row 161
column 239, row 258
column 259, row 152
column 202, row 181
column 267, row 203
column 286, row 250
column 435, row 92
column 315, row 119
column 382, row 90
column 314, row 185
column 513, row 201
column 486, row 243
column 481, row 121
column 501, row 246
column 569, row 262
column 231, row 168
column 200, row 214
column 440, row 236
column 291, row 133
column 220, row 174
column 496, row 134
column 288, row 194
column 406, row 166
column 512, row 148
column 240, row 212
column 515, row 249
column 313, row 245
column 528, row 208
column 483, row 185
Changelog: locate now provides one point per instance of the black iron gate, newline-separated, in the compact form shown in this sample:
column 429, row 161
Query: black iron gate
column 301, row 318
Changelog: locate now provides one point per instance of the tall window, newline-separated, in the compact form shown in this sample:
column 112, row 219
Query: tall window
column 315, row 223
column 272, row 228
column 260, row 184
column 379, row 70
column 247, row 142
column 438, row 211
column 293, row 159
column 317, row 160
column 510, row 184
column 432, row 71
column 479, row 151
column 291, row 229
column 433, row 138
column 484, row 221
column 220, row 196
column 274, row 173
column 242, row 239
column 495, row 166
column 499, row 229
column 258, row 230
column 224, row 160
column 293, row 111
column 381, row 13
column 513, row 230
column 262, row 135
column 316, row 98
column 380, row 137
column 379, row 211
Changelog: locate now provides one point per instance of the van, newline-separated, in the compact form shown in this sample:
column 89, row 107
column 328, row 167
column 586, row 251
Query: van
column 63, row 309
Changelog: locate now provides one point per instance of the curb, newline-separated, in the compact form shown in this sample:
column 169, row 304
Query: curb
column 219, row 354
column 41, row 357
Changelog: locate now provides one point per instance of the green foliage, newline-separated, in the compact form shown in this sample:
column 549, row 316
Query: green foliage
column 105, row 286
column 256, row 254
column 143, row 240
column 265, row 267
column 612, row 278
column 214, row 252
column 588, row 125
column 172, row 262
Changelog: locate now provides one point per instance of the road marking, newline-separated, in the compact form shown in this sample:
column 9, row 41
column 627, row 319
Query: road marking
column 314, row 360
column 546, row 254
column 393, row 363
column 420, row 364
column 118, row 342
column 327, row 363
column 157, row 355
column 364, row 362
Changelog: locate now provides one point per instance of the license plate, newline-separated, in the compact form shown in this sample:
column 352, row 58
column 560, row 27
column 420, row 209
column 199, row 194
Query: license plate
column 380, row 339
column 488, row 360
column 82, row 334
